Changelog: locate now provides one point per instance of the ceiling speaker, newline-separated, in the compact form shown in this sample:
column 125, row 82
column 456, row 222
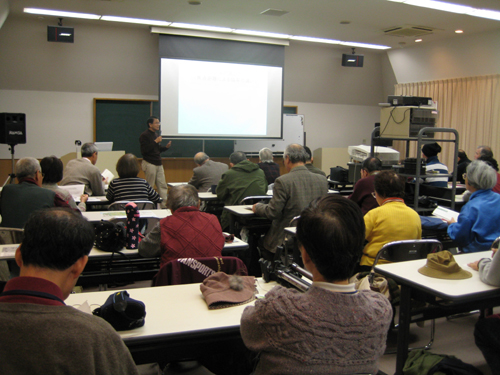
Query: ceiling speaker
column 352, row 60
column 60, row 34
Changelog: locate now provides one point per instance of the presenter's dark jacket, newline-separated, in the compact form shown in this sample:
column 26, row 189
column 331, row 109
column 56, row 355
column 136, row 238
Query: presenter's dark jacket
column 151, row 150
column 18, row 201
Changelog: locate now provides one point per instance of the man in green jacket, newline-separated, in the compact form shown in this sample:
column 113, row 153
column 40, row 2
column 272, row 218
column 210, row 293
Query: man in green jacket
column 244, row 179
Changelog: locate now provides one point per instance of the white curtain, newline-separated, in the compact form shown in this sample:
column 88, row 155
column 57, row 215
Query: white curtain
column 470, row 105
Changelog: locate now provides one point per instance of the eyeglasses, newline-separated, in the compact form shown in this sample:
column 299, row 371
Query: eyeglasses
column 373, row 195
column 464, row 176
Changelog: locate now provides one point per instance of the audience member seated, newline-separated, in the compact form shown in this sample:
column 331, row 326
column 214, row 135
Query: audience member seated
column 40, row 334
column 244, row 179
column 331, row 328
column 477, row 225
column 494, row 164
column 309, row 163
column 267, row 164
column 18, row 201
column 489, row 268
column 291, row 194
column 84, row 172
column 207, row 172
column 129, row 187
column 434, row 166
column 462, row 163
column 392, row 221
column 483, row 151
column 363, row 192
column 52, row 171
column 187, row 233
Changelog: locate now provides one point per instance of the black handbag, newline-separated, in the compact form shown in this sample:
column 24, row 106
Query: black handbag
column 122, row 312
column 110, row 236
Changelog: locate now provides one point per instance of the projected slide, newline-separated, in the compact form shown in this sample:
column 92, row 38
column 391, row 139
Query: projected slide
column 210, row 99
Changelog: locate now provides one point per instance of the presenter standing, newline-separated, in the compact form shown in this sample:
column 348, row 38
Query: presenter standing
column 151, row 149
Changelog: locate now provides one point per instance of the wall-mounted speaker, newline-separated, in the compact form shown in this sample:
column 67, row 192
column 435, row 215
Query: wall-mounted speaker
column 12, row 128
column 60, row 34
column 352, row 60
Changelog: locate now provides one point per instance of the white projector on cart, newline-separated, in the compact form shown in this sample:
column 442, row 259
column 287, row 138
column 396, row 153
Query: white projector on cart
column 387, row 156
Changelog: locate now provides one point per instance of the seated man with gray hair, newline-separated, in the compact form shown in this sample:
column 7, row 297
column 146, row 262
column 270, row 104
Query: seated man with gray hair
column 270, row 168
column 18, row 201
column 291, row 194
column 84, row 172
column 40, row 334
column 207, row 172
column 477, row 225
column 187, row 233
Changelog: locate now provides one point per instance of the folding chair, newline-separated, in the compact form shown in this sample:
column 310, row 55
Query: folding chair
column 141, row 205
column 401, row 251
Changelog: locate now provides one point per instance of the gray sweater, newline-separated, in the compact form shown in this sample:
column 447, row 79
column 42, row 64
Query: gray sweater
column 489, row 270
column 39, row 339
column 317, row 332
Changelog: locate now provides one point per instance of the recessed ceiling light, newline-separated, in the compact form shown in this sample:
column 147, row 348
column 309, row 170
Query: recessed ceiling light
column 61, row 13
column 261, row 33
column 315, row 40
column 418, row 40
column 459, row 31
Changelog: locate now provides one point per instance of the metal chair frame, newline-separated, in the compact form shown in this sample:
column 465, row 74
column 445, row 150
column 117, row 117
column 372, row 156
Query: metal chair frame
column 406, row 250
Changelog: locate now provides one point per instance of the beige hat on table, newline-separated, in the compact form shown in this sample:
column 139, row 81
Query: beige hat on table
column 442, row 265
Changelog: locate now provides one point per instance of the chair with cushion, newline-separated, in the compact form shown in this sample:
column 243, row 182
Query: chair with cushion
column 141, row 205
column 401, row 251
column 195, row 270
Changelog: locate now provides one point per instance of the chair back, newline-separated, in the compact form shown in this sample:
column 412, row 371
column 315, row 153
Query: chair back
column 195, row 270
column 400, row 251
column 256, row 199
column 141, row 205
column 11, row 236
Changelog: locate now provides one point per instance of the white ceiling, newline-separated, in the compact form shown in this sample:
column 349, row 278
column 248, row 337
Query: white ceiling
column 315, row 18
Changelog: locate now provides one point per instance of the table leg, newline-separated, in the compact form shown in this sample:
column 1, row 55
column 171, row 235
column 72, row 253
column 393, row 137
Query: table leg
column 404, row 328
column 232, row 221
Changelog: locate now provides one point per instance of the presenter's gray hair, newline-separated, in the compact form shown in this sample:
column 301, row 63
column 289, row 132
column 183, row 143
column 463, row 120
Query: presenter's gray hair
column 237, row 157
column 296, row 153
column 182, row 196
column 481, row 176
column 27, row 167
column 200, row 157
column 266, row 155
column 88, row 150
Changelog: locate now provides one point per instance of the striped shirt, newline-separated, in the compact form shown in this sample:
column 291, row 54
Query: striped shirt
column 131, row 189
column 434, row 166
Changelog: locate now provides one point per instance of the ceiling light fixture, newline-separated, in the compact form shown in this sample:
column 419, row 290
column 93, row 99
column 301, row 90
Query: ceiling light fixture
column 191, row 26
column 418, row 40
column 452, row 8
column 459, row 31
column 261, row 33
column 61, row 13
column 364, row 45
column 139, row 21
column 314, row 40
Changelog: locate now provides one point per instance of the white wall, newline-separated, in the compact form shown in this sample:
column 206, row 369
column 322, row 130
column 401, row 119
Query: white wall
column 467, row 56
column 55, row 83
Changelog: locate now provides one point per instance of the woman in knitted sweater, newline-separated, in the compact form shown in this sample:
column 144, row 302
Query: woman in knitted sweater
column 331, row 328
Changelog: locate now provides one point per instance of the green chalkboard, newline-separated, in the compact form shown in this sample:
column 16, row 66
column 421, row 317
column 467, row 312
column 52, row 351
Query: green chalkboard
column 122, row 122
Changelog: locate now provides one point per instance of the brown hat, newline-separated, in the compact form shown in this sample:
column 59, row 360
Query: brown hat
column 442, row 265
column 222, row 290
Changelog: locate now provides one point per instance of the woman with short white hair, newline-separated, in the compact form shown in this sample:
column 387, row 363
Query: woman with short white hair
column 478, row 222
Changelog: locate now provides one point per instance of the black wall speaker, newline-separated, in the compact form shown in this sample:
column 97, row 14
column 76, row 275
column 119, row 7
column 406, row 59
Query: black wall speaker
column 352, row 60
column 60, row 34
column 12, row 128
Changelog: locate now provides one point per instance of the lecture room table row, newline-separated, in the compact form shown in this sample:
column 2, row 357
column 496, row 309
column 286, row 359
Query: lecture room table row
column 178, row 318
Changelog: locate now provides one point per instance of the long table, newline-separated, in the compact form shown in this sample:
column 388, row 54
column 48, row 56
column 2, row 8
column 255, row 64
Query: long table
column 97, row 216
column 459, row 295
column 178, row 321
